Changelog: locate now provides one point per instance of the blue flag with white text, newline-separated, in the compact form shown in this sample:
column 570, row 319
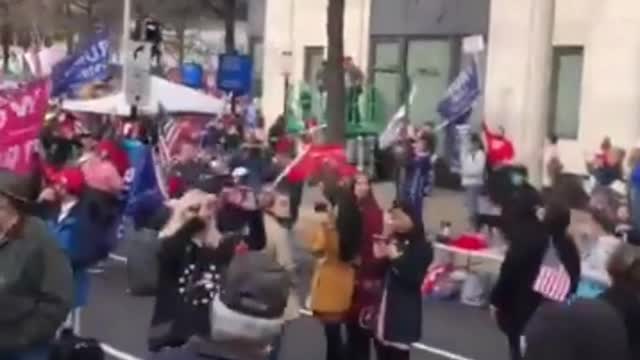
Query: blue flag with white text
column 461, row 95
column 87, row 64
column 456, row 107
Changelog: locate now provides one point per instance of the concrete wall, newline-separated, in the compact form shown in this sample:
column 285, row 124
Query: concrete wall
column 256, row 18
column 292, row 25
column 609, row 31
column 429, row 17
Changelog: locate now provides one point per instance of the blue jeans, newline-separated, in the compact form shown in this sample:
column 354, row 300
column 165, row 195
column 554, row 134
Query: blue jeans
column 37, row 353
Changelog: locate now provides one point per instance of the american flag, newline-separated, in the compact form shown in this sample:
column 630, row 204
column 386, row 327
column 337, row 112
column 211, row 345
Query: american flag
column 168, row 134
column 553, row 282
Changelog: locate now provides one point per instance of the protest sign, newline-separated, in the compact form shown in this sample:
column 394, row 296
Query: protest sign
column 22, row 112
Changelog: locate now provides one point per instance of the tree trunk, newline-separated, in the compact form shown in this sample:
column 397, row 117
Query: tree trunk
column 6, row 46
column 335, row 72
column 180, row 34
column 230, row 26
column 68, row 33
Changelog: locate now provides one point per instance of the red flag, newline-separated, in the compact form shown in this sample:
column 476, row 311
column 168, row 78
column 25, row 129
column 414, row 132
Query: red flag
column 22, row 112
column 318, row 156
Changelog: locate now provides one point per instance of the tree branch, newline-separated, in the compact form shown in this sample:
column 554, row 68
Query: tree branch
column 84, row 7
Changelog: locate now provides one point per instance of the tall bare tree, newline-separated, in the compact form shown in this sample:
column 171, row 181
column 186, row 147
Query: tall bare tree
column 335, row 81
column 230, row 7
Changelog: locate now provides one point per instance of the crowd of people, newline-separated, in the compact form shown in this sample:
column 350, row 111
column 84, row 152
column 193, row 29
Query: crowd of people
column 228, row 284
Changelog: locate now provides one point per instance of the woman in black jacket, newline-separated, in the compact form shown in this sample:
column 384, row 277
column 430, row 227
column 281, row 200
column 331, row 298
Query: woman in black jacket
column 514, row 300
column 192, row 259
column 409, row 253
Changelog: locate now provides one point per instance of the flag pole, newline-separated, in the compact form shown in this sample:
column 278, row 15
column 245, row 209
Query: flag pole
column 297, row 159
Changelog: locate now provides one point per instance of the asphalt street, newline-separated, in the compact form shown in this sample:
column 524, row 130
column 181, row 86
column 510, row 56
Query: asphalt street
column 450, row 330
column 121, row 321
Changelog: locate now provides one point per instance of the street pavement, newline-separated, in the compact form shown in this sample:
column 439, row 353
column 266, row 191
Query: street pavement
column 450, row 330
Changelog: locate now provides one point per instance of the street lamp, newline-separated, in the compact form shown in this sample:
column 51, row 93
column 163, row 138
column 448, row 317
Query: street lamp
column 286, row 66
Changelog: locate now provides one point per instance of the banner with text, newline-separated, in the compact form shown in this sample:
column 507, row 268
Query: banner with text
column 89, row 63
column 22, row 112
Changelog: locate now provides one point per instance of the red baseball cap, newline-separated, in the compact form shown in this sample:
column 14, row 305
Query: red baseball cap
column 72, row 179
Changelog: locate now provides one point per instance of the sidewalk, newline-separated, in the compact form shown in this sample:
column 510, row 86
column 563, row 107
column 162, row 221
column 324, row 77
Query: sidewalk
column 441, row 205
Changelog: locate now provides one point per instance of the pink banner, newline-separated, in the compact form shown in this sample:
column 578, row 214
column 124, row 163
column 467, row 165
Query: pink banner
column 22, row 113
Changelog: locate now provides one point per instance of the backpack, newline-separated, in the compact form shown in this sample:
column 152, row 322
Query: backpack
column 72, row 347
column 251, row 305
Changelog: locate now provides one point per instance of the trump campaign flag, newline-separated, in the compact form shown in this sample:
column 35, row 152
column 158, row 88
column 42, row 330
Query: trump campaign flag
column 143, row 195
column 455, row 108
column 461, row 95
column 89, row 63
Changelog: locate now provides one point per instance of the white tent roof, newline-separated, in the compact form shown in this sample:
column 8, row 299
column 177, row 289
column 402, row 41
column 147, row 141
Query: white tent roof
column 175, row 98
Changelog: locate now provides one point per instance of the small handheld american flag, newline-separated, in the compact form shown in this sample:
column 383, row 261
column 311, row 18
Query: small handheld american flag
column 553, row 281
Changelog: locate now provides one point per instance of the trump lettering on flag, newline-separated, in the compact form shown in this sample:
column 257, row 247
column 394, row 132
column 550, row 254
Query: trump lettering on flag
column 89, row 63
column 461, row 94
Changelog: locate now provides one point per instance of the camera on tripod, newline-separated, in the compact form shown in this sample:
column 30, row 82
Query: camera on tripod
column 147, row 30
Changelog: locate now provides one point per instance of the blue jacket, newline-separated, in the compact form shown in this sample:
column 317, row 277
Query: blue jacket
column 67, row 233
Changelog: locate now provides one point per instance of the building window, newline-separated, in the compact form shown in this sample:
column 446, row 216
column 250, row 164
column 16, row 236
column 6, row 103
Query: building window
column 257, row 54
column 566, row 88
column 387, row 74
column 429, row 65
column 314, row 66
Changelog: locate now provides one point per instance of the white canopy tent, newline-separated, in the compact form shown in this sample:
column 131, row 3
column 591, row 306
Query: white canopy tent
column 175, row 98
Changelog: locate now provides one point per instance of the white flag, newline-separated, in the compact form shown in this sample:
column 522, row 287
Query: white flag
column 394, row 127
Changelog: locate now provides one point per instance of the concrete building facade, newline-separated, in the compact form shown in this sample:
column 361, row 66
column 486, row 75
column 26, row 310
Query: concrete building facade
column 396, row 43
column 564, row 67
column 295, row 39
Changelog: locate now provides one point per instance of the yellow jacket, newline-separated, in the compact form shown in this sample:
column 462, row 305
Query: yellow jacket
column 333, row 280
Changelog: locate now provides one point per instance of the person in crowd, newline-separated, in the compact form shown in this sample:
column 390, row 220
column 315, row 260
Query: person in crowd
column 37, row 290
column 192, row 258
column 71, row 224
column 473, row 173
column 232, row 138
column 624, row 229
column 634, row 185
column 418, row 175
column 252, row 157
column 515, row 297
column 552, row 165
column 370, row 272
column 214, row 134
column 279, row 245
column 607, row 327
column 584, row 330
column 428, row 131
column 624, row 270
column 409, row 255
column 277, row 131
column 189, row 169
column 500, row 150
column 335, row 244
column 106, row 171
column 606, row 165
column 400, row 153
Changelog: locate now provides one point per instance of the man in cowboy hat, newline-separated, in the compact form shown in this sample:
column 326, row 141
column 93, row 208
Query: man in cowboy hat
column 35, row 277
